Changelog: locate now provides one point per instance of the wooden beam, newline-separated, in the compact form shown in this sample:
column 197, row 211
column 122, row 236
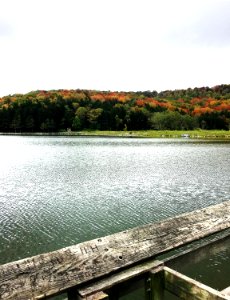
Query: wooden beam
column 97, row 296
column 226, row 292
column 198, row 252
column 112, row 280
column 50, row 273
column 155, row 284
column 187, row 288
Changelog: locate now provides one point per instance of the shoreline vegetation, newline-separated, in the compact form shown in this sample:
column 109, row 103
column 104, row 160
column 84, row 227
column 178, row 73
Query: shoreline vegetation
column 193, row 134
column 143, row 113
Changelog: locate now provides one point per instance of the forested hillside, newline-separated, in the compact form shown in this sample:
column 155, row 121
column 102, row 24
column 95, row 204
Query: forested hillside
column 59, row 110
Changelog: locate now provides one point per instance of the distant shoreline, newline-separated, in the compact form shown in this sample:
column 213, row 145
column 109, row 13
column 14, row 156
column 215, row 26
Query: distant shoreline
column 194, row 134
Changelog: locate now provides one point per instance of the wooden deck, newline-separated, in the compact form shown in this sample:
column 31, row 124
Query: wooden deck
column 129, row 253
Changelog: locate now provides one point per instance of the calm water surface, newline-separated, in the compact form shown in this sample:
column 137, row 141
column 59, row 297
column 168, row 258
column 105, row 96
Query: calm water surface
column 56, row 191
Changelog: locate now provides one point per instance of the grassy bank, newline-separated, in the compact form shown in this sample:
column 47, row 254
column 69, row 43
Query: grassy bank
column 195, row 134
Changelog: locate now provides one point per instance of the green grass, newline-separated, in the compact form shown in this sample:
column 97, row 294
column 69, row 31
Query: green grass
column 196, row 134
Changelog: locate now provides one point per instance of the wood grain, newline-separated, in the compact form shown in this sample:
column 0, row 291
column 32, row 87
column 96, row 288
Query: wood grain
column 122, row 276
column 187, row 288
column 47, row 274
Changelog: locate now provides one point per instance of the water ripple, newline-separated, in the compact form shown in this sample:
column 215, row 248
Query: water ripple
column 55, row 192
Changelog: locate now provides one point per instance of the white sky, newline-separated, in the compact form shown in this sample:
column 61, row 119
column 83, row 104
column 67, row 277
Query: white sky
column 129, row 45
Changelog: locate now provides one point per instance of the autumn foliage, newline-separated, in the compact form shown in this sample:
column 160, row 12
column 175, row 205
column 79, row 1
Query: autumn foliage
column 57, row 110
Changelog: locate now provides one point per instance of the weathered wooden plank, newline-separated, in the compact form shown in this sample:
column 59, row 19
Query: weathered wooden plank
column 96, row 296
column 195, row 253
column 122, row 276
column 187, row 288
column 212, row 244
column 226, row 292
column 155, row 284
column 47, row 274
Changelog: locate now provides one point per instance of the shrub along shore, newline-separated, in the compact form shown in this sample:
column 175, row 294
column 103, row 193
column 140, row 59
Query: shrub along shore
column 194, row 134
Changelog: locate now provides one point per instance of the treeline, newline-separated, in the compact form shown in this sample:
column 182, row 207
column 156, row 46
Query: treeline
column 60, row 110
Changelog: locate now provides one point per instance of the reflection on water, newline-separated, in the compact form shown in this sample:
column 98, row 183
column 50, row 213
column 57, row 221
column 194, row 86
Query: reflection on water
column 209, row 265
column 58, row 191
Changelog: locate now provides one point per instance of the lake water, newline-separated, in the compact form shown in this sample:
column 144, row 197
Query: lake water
column 59, row 191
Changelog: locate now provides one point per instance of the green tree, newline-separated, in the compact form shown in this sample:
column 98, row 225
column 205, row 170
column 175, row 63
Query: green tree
column 118, row 123
column 188, row 122
column 48, row 125
column 81, row 115
column 93, row 116
column 29, row 123
column 16, row 122
column 138, row 118
column 76, row 123
column 170, row 120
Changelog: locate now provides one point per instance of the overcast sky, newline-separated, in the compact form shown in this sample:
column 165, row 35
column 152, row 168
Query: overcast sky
column 128, row 45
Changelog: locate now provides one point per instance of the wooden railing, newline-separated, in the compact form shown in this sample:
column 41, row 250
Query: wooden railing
column 94, row 269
